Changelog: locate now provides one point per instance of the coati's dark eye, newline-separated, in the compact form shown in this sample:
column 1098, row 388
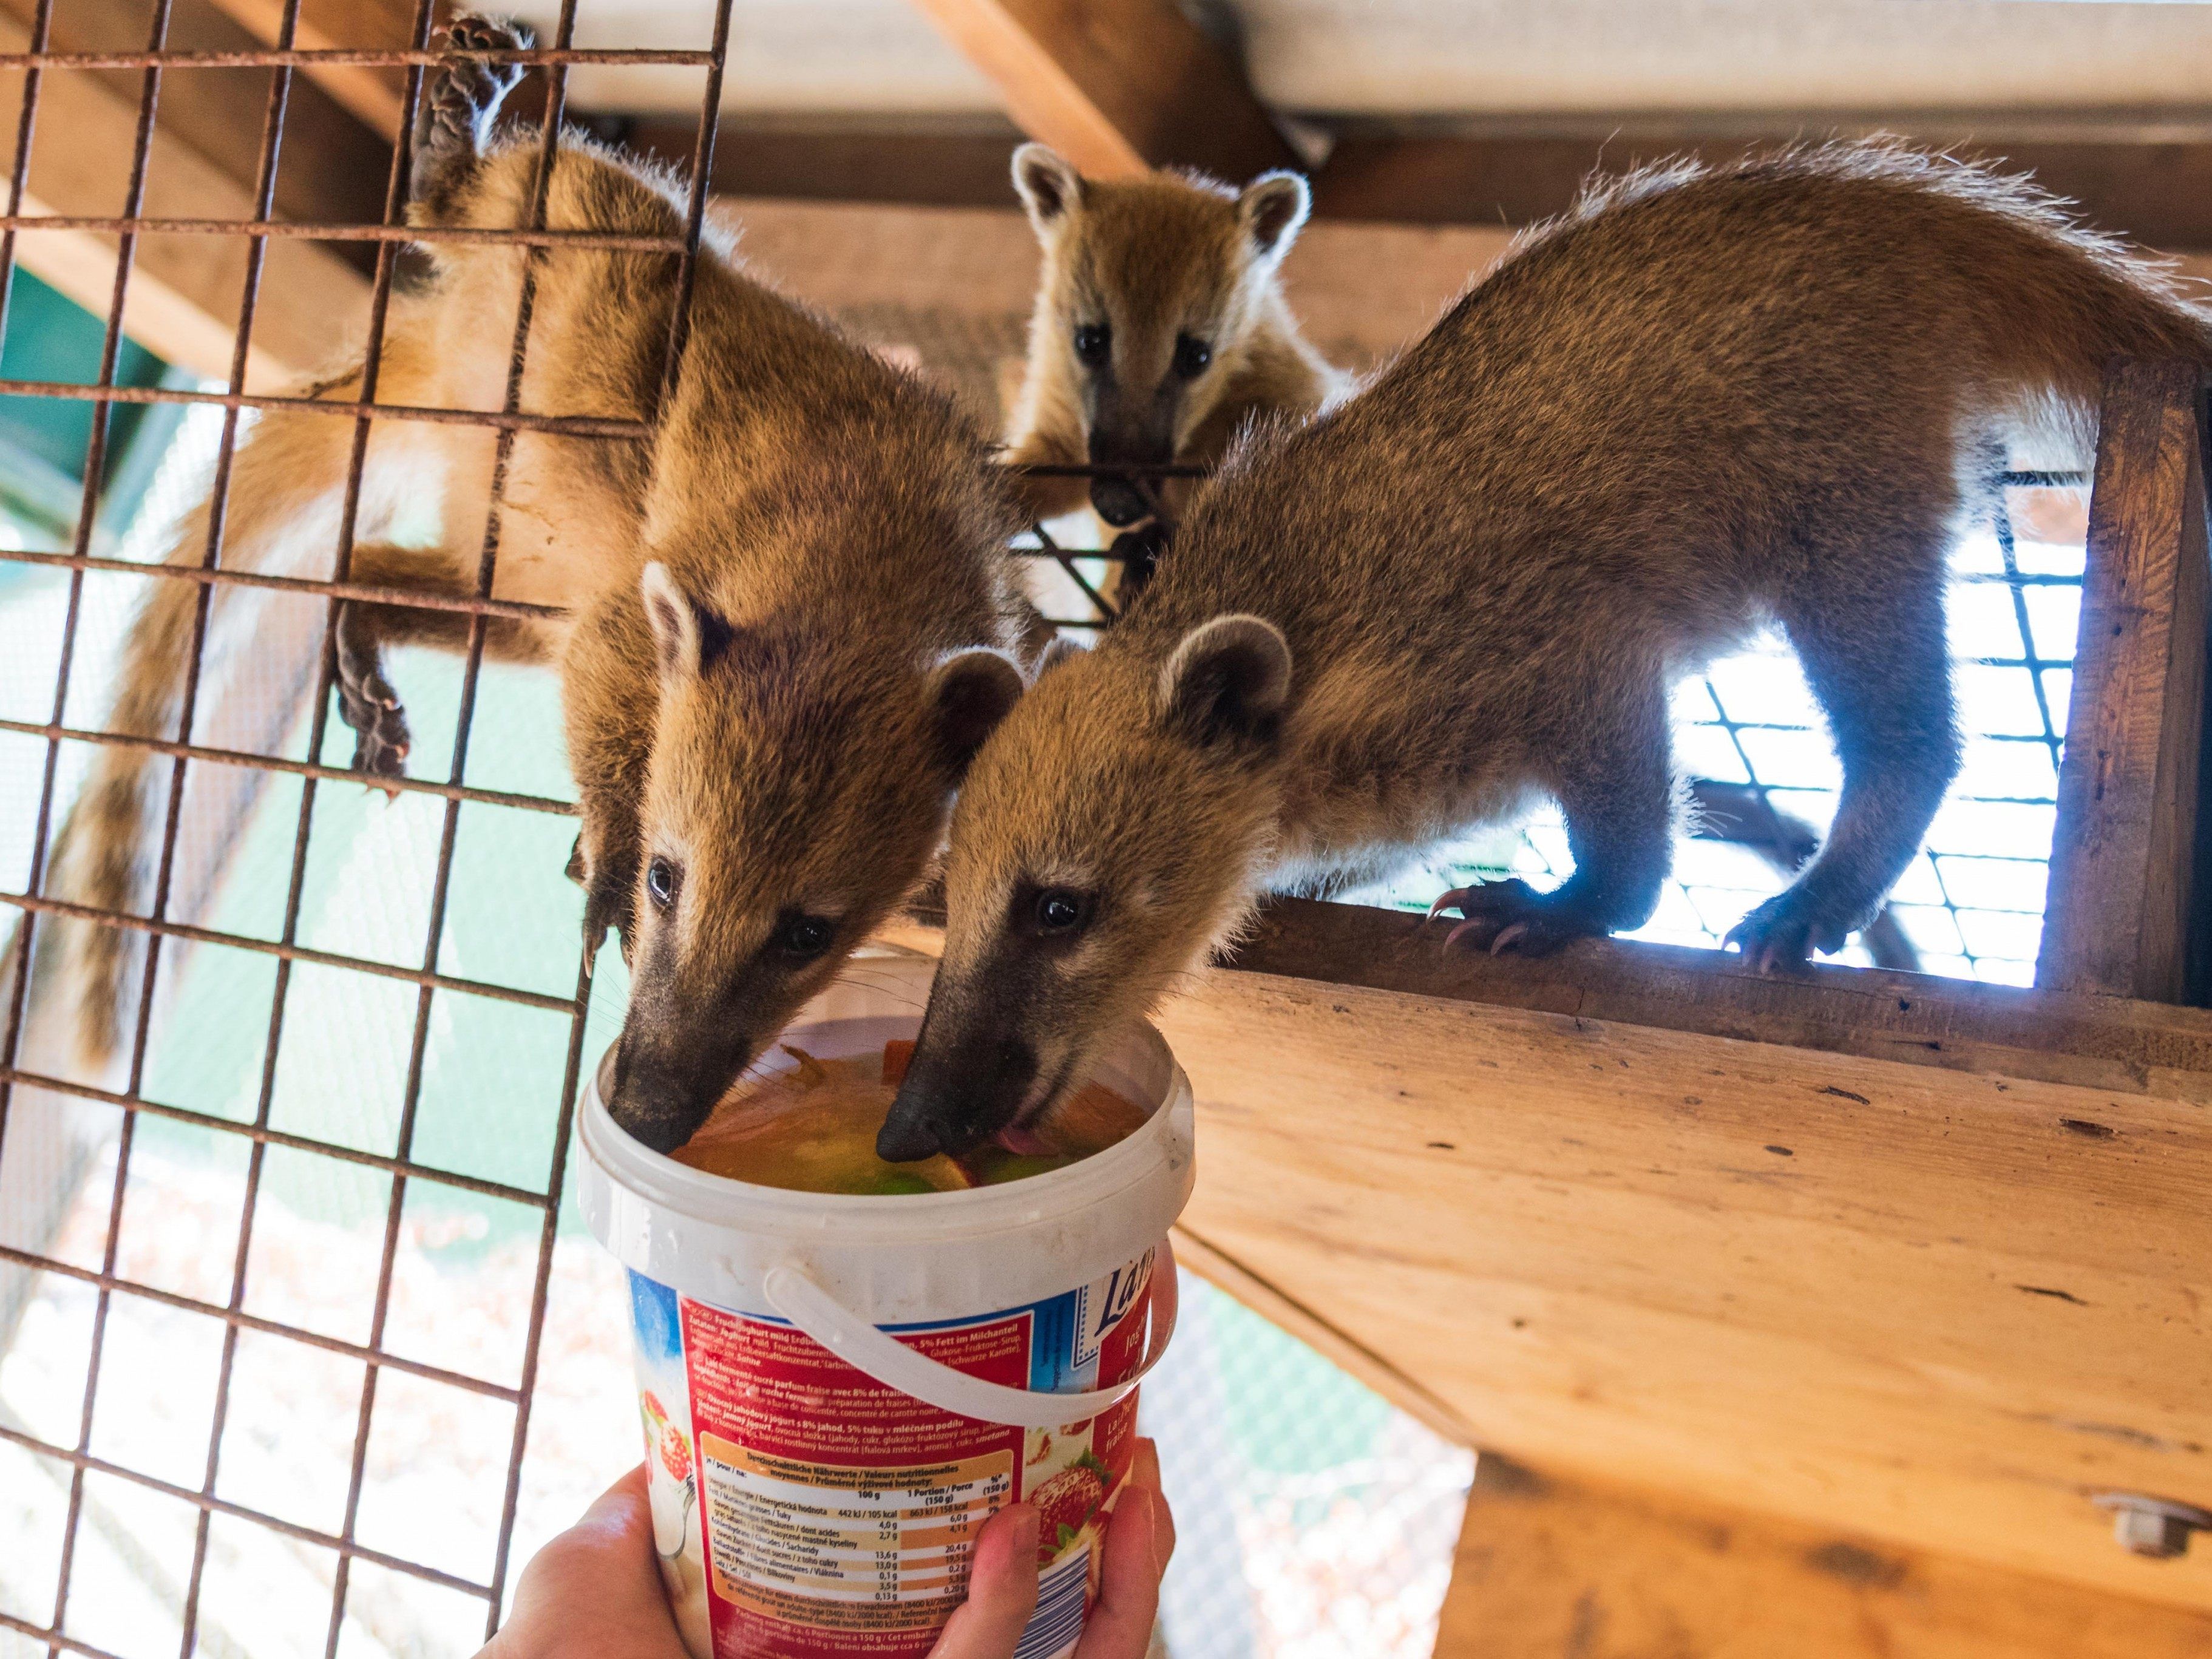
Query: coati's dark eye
column 1091, row 342
column 804, row 937
column 1192, row 355
column 662, row 879
column 1059, row 912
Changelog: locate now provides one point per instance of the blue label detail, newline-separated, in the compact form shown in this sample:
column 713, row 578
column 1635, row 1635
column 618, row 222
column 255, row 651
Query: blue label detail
column 652, row 1312
column 1052, row 1341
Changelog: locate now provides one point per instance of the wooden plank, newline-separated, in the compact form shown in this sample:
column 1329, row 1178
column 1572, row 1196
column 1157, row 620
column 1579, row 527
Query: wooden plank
column 184, row 290
column 1926, row 1295
column 2145, row 176
column 2122, row 859
column 1938, row 1306
column 376, row 97
column 1116, row 86
column 2109, row 1043
column 1553, row 1568
column 334, row 168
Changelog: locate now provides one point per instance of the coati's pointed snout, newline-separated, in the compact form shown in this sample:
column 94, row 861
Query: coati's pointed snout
column 906, row 1140
column 958, row 1094
column 658, row 1103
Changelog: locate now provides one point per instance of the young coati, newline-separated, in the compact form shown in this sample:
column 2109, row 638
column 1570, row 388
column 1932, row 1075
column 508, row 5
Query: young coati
column 792, row 616
column 1160, row 329
column 1704, row 398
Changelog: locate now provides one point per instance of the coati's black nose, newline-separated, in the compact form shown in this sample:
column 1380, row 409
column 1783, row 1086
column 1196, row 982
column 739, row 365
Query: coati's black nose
column 905, row 1140
column 1119, row 501
column 956, row 1095
column 655, row 1108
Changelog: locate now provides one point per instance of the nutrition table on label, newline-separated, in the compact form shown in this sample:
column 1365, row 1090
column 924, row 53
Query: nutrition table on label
column 780, row 1527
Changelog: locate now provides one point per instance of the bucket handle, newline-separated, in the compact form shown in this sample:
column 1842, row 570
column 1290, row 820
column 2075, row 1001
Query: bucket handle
column 795, row 1294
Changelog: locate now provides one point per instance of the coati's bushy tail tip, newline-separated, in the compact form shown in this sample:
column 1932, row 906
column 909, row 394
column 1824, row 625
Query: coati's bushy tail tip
column 99, row 848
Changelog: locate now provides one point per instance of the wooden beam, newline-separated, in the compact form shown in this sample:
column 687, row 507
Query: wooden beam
column 1923, row 1260
column 1116, row 86
column 2122, row 859
column 2148, row 180
column 2142, row 174
column 376, row 97
column 333, row 168
column 184, row 290
column 1553, row 1568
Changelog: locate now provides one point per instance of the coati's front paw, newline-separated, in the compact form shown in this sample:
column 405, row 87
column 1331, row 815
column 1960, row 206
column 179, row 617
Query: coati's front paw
column 1783, row 933
column 369, row 704
column 462, row 97
column 1511, row 916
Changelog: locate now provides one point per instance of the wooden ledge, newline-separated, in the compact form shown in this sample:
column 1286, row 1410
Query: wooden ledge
column 2057, row 1036
column 1918, row 1259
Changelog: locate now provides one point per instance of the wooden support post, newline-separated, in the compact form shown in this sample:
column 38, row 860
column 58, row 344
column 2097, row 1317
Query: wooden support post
column 1550, row 1567
column 1116, row 86
column 2116, row 921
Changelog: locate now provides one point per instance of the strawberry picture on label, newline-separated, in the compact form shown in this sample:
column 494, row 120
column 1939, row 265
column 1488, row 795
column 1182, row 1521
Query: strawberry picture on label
column 1066, row 1504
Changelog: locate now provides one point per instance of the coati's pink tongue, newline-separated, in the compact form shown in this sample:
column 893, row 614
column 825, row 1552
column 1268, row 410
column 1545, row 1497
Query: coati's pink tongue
column 1022, row 1143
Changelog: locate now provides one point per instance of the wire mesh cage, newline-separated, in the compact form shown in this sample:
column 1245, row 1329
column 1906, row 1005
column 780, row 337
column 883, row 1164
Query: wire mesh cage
column 421, row 971
column 186, row 1365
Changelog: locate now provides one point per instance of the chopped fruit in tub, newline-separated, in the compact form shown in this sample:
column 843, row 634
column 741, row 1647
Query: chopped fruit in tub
column 898, row 1054
column 811, row 1127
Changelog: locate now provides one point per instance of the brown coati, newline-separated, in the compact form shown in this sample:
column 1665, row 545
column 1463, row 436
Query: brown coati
column 791, row 613
column 1705, row 398
column 1160, row 328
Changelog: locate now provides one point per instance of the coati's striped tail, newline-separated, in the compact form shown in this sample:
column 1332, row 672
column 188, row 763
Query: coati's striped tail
column 258, row 668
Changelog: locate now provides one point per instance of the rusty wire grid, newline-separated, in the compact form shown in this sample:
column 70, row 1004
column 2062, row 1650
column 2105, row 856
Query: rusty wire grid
column 33, row 904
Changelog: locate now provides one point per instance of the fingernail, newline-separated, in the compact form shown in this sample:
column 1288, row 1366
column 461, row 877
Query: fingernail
column 1025, row 1528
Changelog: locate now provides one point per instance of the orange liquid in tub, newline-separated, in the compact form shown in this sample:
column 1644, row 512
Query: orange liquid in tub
column 813, row 1129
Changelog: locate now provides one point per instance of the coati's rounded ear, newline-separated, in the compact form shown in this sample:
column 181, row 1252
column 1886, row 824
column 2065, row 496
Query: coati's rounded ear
column 971, row 692
column 1271, row 209
column 687, row 637
column 1048, row 186
column 1227, row 681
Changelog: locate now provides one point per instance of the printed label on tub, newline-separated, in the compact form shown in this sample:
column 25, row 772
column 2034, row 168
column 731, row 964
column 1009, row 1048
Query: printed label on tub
column 804, row 1511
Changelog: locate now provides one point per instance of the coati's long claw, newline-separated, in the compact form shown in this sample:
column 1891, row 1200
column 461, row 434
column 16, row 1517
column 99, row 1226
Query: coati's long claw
column 1511, row 916
column 1778, row 937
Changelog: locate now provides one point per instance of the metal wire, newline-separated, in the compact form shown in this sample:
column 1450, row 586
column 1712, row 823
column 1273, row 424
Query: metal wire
column 35, row 904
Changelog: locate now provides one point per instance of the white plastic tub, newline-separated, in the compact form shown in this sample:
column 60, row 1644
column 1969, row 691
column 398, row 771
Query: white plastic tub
column 838, row 1390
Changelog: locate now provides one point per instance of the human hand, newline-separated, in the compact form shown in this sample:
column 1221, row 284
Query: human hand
column 1002, row 1581
column 594, row 1592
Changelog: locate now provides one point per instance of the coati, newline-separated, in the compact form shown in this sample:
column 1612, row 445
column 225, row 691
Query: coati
column 1160, row 328
column 791, row 612
column 1704, row 398
column 1176, row 270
